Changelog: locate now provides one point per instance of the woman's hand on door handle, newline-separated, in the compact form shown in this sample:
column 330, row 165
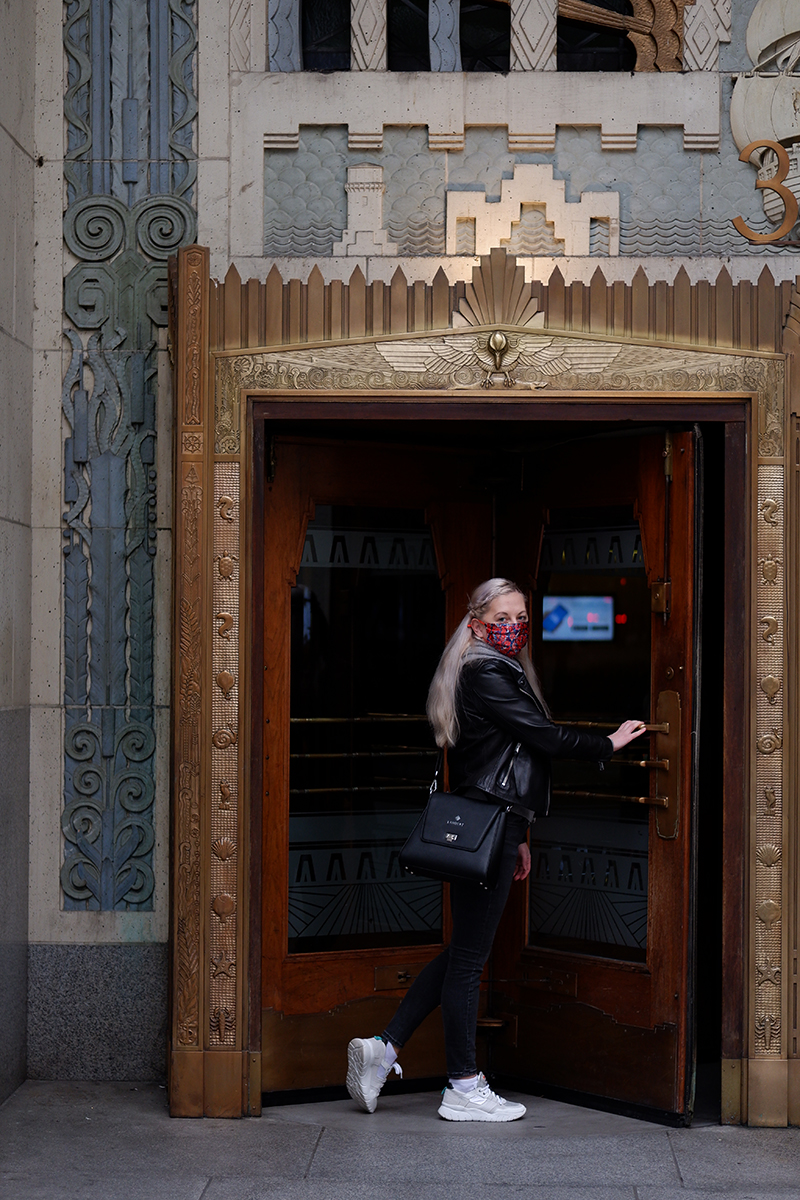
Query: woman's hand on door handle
column 627, row 731
column 523, row 866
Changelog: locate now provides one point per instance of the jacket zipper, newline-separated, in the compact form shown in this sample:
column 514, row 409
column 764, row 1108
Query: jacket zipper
column 503, row 781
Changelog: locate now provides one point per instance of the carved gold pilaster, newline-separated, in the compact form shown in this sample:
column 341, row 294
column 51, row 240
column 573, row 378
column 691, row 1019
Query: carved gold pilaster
column 768, row 941
column 187, row 886
column 224, row 941
column 190, row 339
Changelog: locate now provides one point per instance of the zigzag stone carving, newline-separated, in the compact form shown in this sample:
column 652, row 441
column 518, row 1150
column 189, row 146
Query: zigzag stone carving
column 368, row 35
column 533, row 35
column 533, row 184
column 705, row 24
column 240, row 35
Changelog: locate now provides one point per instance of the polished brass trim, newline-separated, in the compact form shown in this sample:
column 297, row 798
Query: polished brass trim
column 655, row 801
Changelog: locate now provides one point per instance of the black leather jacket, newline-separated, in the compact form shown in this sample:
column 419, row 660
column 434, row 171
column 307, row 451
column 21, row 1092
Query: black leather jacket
column 497, row 709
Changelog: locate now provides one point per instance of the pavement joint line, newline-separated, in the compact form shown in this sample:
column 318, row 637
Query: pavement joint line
column 313, row 1153
column 675, row 1160
column 208, row 1185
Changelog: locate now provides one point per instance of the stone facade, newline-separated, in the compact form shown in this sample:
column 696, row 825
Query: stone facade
column 187, row 120
column 17, row 500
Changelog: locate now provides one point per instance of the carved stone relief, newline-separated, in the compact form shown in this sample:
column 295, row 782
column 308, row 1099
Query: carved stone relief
column 130, row 104
column 764, row 104
column 364, row 233
column 129, row 169
column 533, row 35
column 248, row 35
column 662, row 208
column 706, row 23
column 368, row 35
column 368, row 104
column 533, row 185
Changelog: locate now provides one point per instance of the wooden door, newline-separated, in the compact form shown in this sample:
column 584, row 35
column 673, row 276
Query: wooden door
column 369, row 552
column 590, row 973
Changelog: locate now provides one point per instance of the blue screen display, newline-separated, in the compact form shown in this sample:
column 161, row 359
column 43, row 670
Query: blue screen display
column 577, row 618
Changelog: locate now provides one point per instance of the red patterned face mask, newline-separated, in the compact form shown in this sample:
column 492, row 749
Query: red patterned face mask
column 508, row 639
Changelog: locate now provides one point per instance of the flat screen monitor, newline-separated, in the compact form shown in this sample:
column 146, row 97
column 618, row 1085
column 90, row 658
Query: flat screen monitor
column 577, row 618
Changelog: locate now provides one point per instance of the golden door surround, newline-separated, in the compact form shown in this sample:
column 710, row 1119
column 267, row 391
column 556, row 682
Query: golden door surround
column 452, row 354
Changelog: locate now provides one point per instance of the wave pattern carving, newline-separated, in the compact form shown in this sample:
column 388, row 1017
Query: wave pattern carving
column 533, row 235
column 694, row 237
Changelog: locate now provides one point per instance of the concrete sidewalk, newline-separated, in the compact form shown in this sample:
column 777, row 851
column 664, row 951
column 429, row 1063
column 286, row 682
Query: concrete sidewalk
column 116, row 1141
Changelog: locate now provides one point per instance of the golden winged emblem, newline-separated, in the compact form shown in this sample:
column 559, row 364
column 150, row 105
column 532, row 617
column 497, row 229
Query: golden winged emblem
column 500, row 355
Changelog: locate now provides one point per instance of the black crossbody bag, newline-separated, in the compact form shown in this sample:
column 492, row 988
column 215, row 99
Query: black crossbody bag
column 458, row 839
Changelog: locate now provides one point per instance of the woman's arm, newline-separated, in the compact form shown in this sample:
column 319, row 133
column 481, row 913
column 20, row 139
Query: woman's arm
column 500, row 698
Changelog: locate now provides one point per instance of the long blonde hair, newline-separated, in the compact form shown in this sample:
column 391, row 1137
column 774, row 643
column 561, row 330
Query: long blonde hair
column 463, row 646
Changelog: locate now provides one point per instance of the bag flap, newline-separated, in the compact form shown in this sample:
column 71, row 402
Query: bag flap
column 457, row 821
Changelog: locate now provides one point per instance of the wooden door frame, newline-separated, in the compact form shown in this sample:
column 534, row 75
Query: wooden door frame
column 221, row 401
column 735, row 414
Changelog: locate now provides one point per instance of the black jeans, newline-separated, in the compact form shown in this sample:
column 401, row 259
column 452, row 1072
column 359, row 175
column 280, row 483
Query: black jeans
column 453, row 978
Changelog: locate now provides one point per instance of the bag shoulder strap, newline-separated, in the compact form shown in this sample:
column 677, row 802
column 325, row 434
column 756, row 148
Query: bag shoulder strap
column 436, row 774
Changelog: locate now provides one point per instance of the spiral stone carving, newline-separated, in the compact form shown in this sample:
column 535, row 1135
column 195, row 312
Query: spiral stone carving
column 135, row 791
column 162, row 225
column 95, row 228
column 136, row 741
column 81, row 741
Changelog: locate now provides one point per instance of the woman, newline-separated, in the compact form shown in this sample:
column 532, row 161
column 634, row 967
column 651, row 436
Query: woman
column 486, row 707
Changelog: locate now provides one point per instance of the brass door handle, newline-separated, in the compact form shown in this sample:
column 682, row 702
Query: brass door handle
column 668, row 778
column 650, row 763
column 655, row 801
column 652, row 727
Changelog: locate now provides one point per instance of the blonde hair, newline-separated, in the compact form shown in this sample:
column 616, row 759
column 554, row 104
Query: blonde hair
column 463, row 646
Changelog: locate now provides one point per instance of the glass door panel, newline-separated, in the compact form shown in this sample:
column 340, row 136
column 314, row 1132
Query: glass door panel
column 589, row 880
column 367, row 621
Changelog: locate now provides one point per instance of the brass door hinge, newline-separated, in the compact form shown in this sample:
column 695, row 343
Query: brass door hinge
column 660, row 596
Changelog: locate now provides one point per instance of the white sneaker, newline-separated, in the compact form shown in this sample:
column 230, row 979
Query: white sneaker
column 366, row 1074
column 481, row 1104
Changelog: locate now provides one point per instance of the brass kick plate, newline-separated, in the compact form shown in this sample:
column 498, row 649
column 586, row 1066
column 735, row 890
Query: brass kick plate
column 668, row 780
